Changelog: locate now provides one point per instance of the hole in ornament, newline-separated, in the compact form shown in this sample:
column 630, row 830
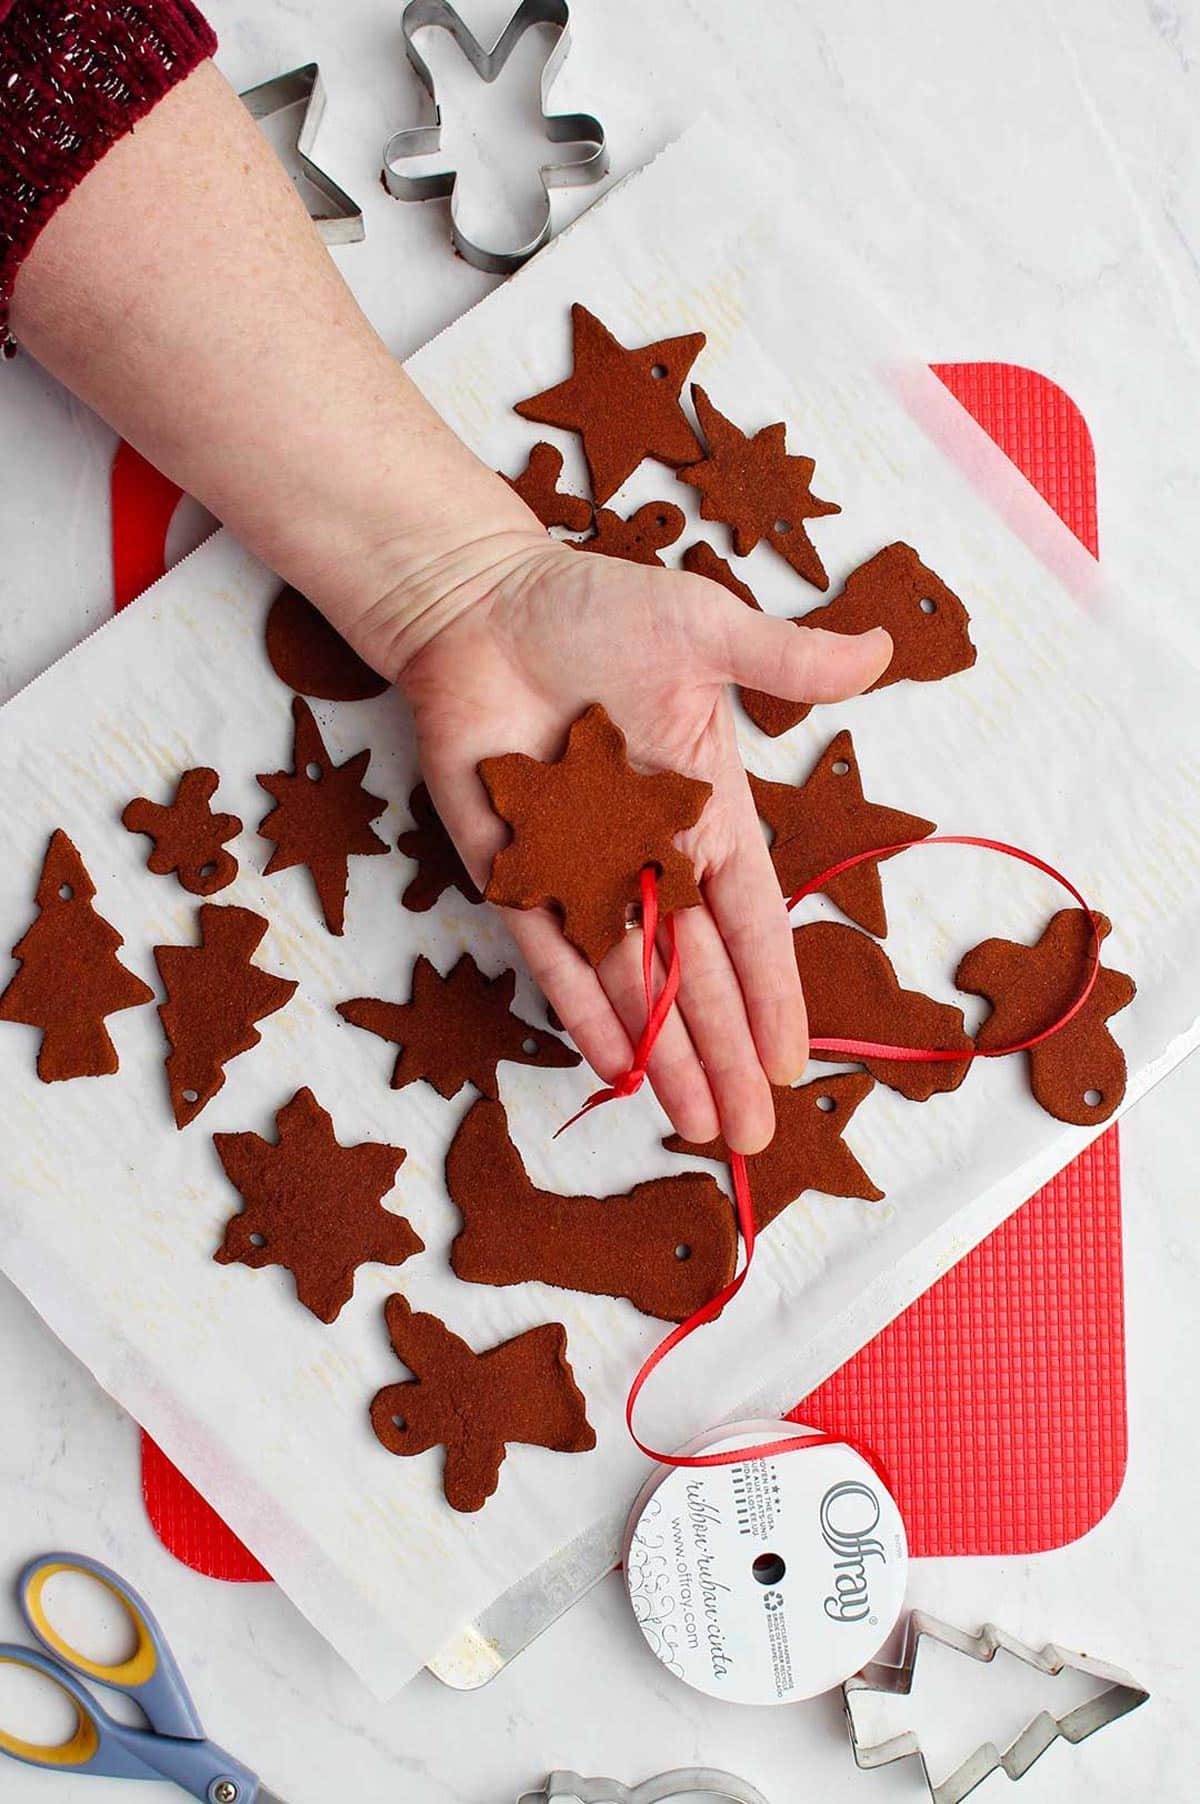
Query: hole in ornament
column 683, row 1251
column 529, row 1047
column 313, row 772
column 1093, row 1098
column 658, row 371
column 769, row 1569
column 783, row 526
column 258, row 1240
column 928, row 605
column 841, row 767
column 400, row 1423
column 826, row 1104
column 65, row 891
column 660, row 519
column 191, row 1095
column 209, row 869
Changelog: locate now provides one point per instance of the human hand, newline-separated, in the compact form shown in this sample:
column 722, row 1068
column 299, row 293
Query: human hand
column 556, row 630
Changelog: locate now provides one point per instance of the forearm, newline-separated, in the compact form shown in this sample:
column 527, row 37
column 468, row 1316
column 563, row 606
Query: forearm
column 283, row 412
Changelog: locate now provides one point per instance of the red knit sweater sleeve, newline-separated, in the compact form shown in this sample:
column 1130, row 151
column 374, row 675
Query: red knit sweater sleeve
column 76, row 75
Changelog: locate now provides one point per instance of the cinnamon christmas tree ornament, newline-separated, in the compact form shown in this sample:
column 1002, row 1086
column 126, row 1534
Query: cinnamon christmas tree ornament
column 585, row 827
column 851, row 993
column 930, row 629
column 667, row 1245
column 189, row 836
column 439, row 866
column 70, row 978
column 623, row 403
column 322, row 816
column 313, row 1205
column 476, row 1404
column 758, row 489
column 1078, row 1074
column 640, row 538
column 309, row 655
column 807, row 1152
column 215, row 995
column 537, row 485
column 826, row 818
column 455, row 1030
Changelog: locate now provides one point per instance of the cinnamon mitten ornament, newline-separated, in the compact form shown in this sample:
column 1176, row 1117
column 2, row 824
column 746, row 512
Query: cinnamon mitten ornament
column 475, row 1404
column 1078, row 1073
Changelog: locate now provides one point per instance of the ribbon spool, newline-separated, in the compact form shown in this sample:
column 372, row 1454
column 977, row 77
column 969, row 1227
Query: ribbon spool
column 766, row 1580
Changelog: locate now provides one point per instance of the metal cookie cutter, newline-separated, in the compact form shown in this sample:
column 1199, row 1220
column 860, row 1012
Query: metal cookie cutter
column 692, row 1781
column 1123, row 1694
column 343, row 223
column 560, row 128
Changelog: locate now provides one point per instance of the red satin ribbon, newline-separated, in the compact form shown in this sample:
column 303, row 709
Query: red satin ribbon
column 659, row 1006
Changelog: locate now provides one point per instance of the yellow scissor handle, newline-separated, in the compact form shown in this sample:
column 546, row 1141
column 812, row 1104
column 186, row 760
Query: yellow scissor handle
column 129, row 1674
column 78, row 1749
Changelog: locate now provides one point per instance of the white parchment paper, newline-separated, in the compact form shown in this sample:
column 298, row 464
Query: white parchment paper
column 1074, row 735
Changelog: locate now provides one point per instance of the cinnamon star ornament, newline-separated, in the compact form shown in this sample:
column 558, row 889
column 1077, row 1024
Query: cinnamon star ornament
column 439, row 865
column 455, row 1030
column 70, row 978
column 759, row 489
column 930, row 629
column 585, row 826
column 852, row 993
column 215, row 997
column 807, row 1152
column 322, row 816
column 667, row 1245
column 313, row 1205
column 1078, row 1073
column 311, row 656
column 537, row 485
column 475, row 1404
column 623, row 403
column 640, row 538
column 827, row 818
column 189, row 836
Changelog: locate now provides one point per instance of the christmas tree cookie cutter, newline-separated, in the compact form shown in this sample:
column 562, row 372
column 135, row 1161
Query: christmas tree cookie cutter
column 560, row 128
column 684, row 1782
column 1121, row 1695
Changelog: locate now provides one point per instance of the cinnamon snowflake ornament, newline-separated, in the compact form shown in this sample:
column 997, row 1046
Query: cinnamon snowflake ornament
column 585, row 826
column 313, row 1205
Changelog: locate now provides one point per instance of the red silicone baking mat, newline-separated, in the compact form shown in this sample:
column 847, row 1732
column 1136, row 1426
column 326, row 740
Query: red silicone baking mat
column 997, row 1400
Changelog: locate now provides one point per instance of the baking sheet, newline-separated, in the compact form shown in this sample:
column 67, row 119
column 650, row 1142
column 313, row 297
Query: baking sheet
column 1073, row 735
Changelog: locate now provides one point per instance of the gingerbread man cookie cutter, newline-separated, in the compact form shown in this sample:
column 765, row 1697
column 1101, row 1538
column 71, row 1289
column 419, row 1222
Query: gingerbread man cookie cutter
column 560, row 128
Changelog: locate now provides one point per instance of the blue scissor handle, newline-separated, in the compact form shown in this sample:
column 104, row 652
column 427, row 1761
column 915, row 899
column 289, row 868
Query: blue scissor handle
column 149, row 1676
column 106, row 1748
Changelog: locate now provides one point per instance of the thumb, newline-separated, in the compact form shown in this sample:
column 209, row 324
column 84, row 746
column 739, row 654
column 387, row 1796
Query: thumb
column 796, row 662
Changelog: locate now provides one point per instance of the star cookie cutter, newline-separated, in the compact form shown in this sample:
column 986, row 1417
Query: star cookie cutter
column 560, row 128
column 1122, row 1695
column 685, row 1782
column 343, row 224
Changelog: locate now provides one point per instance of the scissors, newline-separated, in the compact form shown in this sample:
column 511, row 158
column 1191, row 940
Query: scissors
column 174, row 1746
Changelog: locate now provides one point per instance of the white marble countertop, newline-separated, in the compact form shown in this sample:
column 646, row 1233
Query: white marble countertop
column 1023, row 183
